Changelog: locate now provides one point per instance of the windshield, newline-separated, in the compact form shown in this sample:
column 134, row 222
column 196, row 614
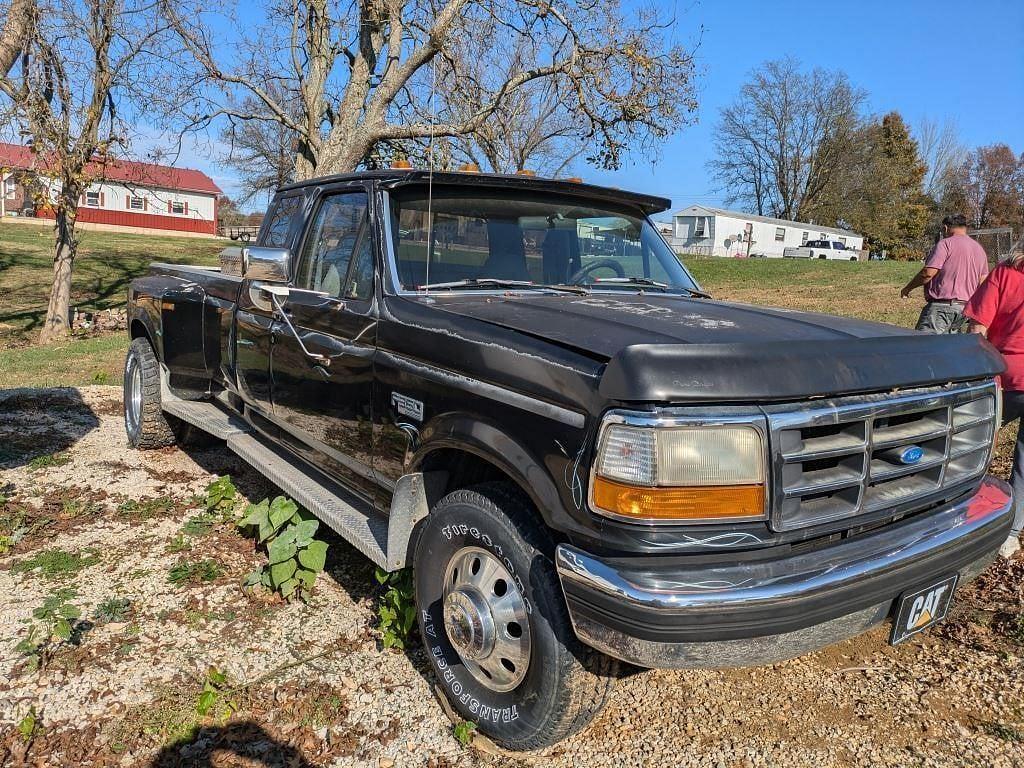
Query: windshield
column 486, row 238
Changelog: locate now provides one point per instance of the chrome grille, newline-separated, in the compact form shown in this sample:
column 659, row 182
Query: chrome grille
column 835, row 460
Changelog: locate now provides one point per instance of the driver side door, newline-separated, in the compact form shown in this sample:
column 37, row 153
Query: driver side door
column 322, row 394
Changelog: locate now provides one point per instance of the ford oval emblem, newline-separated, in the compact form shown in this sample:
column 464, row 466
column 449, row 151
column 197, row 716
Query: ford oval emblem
column 910, row 454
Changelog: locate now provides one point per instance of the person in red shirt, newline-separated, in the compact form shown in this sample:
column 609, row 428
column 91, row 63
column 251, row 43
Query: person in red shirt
column 997, row 311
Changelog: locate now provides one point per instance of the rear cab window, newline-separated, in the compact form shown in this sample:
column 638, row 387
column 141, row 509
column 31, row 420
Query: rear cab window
column 281, row 222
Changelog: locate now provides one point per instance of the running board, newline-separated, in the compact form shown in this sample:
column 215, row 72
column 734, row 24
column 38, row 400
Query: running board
column 383, row 539
column 355, row 520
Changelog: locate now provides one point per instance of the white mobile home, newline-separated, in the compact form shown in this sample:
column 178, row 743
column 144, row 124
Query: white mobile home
column 708, row 231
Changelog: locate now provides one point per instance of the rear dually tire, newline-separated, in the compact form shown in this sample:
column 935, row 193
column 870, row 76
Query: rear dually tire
column 144, row 421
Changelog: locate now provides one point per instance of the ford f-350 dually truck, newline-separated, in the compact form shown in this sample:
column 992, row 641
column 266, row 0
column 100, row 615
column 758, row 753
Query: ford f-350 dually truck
column 512, row 385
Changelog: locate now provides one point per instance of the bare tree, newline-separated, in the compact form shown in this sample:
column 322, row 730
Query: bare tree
column 779, row 145
column 81, row 63
column 15, row 33
column 366, row 74
column 942, row 153
column 262, row 152
column 535, row 127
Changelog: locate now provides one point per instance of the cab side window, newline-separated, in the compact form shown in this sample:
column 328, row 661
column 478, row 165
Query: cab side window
column 279, row 223
column 337, row 257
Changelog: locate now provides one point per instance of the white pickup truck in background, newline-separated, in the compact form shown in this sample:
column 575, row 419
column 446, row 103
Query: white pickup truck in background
column 821, row 249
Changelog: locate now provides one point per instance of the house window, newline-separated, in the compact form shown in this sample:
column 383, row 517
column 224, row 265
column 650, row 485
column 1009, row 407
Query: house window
column 780, row 234
column 136, row 203
column 10, row 185
column 699, row 227
column 803, row 238
column 177, row 207
column 92, row 198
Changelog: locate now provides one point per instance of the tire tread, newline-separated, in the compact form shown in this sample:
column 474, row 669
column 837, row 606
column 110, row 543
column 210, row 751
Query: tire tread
column 155, row 430
column 590, row 675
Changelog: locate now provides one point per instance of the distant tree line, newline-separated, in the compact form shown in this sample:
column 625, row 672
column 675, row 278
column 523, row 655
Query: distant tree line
column 796, row 144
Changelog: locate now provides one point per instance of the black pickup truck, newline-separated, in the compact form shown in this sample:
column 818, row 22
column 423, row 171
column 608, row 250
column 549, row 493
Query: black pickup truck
column 512, row 385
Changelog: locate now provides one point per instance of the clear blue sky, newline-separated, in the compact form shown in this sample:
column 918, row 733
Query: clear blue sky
column 932, row 59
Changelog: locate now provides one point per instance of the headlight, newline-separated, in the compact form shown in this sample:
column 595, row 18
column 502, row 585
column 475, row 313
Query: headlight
column 710, row 472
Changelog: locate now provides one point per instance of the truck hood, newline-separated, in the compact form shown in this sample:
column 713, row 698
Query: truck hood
column 668, row 348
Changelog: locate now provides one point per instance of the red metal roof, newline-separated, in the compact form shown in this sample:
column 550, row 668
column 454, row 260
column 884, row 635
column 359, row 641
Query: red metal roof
column 15, row 156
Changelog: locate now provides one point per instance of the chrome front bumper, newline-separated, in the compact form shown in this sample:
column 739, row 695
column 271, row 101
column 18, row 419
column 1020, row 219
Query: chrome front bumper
column 764, row 611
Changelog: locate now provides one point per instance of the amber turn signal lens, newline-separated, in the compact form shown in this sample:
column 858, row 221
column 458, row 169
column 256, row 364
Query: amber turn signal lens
column 710, row 502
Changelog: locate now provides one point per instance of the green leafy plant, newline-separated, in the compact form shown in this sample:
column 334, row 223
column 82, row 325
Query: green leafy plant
column 294, row 556
column 49, row 460
column 221, row 497
column 112, row 610
column 186, row 572
column 218, row 507
column 100, row 377
column 396, row 607
column 214, row 700
column 56, row 563
column 56, row 623
column 178, row 544
column 464, row 732
column 29, row 726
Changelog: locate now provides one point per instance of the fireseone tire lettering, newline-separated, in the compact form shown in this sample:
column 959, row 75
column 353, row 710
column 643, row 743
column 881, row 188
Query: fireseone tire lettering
column 454, row 529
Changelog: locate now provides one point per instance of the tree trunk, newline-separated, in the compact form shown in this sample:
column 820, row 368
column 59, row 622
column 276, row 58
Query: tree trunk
column 57, row 325
column 15, row 31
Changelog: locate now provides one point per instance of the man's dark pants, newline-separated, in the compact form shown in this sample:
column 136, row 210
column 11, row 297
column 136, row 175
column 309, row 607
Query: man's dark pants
column 1013, row 408
column 942, row 317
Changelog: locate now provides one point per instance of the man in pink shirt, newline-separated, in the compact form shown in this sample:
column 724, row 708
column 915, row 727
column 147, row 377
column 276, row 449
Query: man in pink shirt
column 955, row 268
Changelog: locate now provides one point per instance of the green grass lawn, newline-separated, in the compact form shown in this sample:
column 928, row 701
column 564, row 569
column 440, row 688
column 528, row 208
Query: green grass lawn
column 108, row 261
column 866, row 289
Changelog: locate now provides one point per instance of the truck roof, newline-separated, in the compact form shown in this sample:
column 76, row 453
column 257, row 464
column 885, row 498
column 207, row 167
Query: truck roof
column 397, row 177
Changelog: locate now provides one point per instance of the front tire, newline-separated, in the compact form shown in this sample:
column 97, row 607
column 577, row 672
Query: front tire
column 144, row 420
column 495, row 624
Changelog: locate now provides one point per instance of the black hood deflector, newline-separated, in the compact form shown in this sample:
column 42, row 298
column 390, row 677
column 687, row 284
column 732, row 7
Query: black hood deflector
column 778, row 371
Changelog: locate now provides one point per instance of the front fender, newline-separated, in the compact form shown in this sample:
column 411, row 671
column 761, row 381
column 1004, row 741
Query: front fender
column 494, row 445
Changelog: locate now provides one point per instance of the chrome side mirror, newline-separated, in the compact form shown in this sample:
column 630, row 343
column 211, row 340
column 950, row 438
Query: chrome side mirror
column 272, row 265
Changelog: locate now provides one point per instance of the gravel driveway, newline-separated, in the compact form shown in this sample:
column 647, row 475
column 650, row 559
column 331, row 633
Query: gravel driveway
column 309, row 685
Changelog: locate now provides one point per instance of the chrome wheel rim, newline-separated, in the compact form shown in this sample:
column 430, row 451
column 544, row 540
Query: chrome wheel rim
column 485, row 619
column 132, row 395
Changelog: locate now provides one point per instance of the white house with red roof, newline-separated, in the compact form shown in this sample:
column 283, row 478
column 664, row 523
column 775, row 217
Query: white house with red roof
column 125, row 194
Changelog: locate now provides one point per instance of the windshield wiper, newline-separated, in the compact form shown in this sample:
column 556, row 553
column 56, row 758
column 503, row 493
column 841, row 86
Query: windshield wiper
column 497, row 282
column 647, row 282
column 480, row 282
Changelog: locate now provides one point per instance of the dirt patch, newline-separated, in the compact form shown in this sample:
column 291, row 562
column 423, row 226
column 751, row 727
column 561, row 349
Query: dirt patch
column 311, row 686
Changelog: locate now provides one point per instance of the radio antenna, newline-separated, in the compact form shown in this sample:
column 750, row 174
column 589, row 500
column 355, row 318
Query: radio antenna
column 430, row 177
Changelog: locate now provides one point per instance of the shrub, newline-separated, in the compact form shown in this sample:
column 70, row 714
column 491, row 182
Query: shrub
column 294, row 556
column 396, row 608
column 57, row 624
